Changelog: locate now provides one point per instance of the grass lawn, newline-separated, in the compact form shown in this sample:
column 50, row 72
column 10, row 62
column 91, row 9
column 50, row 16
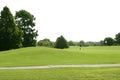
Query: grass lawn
column 111, row 73
column 33, row 56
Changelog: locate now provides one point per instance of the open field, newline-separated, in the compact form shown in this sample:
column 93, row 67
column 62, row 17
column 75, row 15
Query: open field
column 112, row 73
column 36, row 56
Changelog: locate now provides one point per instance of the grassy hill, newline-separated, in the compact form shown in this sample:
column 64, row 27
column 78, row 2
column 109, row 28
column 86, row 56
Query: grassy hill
column 33, row 56
column 48, row 56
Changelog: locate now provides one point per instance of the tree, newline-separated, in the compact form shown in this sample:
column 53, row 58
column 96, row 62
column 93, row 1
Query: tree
column 46, row 43
column 101, row 43
column 117, row 38
column 61, row 43
column 10, row 34
column 25, row 22
column 108, row 41
column 81, row 43
column 70, row 43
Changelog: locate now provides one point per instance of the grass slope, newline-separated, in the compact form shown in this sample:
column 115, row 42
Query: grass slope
column 33, row 56
column 62, row 74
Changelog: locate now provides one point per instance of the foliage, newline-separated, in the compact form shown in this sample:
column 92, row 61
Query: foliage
column 71, row 43
column 46, row 43
column 10, row 34
column 61, row 43
column 108, row 41
column 117, row 38
column 25, row 21
column 85, row 44
column 81, row 43
column 101, row 43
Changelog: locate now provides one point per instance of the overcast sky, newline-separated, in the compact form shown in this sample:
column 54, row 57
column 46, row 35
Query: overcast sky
column 88, row 20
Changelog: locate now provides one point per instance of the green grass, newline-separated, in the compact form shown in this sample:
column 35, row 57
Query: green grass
column 48, row 56
column 112, row 73
column 33, row 56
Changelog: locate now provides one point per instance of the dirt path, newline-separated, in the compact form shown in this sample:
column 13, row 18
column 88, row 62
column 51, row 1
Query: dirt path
column 61, row 66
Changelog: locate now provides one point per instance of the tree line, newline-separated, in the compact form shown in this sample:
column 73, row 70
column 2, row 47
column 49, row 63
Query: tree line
column 62, row 43
column 17, row 31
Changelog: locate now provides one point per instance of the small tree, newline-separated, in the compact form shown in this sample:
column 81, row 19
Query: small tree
column 70, row 43
column 10, row 34
column 101, row 43
column 81, row 43
column 46, row 43
column 108, row 41
column 61, row 43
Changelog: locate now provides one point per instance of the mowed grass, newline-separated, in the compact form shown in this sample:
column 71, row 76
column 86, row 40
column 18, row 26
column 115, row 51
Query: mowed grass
column 36, row 56
column 111, row 73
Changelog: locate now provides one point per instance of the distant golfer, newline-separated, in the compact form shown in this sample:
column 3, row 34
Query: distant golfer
column 80, row 47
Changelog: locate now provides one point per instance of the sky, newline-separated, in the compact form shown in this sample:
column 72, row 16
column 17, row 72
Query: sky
column 88, row 20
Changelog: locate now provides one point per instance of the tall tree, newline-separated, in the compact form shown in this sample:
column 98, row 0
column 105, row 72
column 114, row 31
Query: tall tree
column 10, row 34
column 25, row 22
column 108, row 41
column 61, row 43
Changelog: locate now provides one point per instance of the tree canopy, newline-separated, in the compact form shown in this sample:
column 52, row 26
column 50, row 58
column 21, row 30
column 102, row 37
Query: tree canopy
column 108, row 41
column 10, row 34
column 81, row 43
column 71, row 43
column 61, row 43
column 25, row 21
column 117, row 38
column 16, row 31
column 46, row 43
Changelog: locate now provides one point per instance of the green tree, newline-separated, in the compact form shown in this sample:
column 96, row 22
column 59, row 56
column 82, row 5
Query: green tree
column 10, row 34
column 101, row 43
column 61, row 43
column 25, row 22
column 81, row 43
column 117, row 38
column 46, row 43
column 70, row 43
column 108, row 41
